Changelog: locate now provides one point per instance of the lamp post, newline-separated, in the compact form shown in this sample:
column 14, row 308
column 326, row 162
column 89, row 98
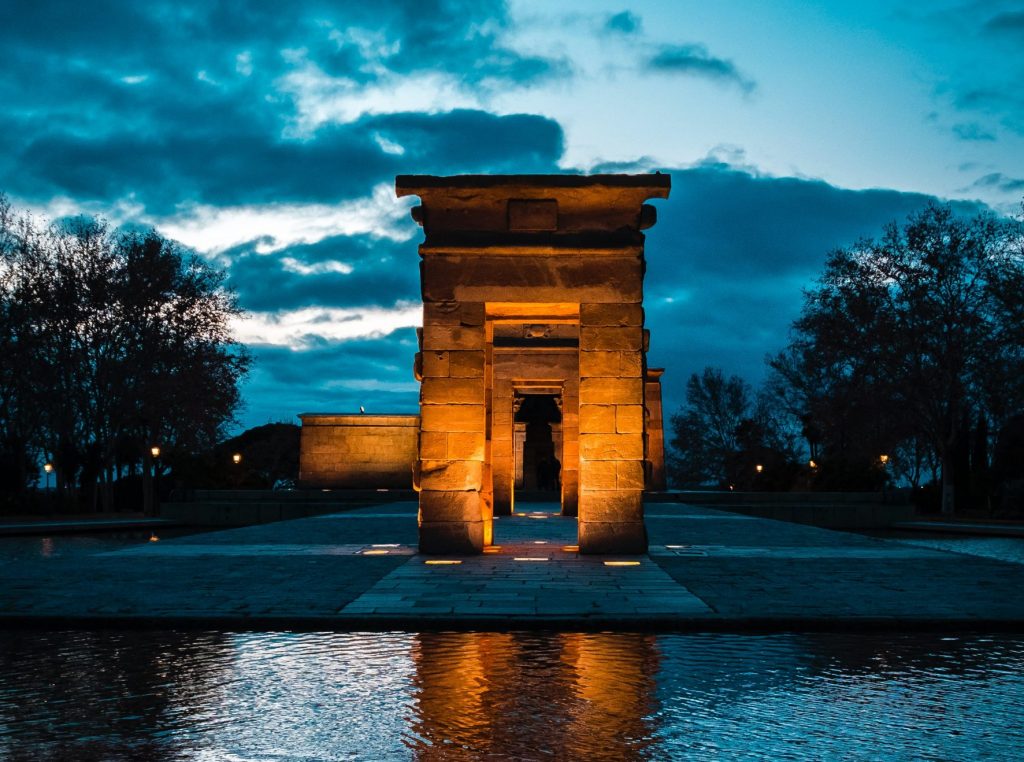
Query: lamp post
column 155, row 452
column 48, row 468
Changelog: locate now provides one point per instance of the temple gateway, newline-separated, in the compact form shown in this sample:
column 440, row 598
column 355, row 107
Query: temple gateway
column 532, row 363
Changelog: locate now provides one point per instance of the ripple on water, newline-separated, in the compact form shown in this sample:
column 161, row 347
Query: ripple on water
column 299, row 696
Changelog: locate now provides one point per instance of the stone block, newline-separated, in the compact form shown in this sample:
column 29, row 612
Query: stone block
column 610, row 505
column 621, row 391
column 452, row 417
column 605, row 337
column 435, row 364
column 452, row 537
column 598, row 475
column 597, row 419
column 441, row 337
column 433, row 445
column 452, row 391
column 466, row 364
column 629, row 474
column 611, row 446
column 451, row 475
column 629, row 419
column 443, row 506
column 466, row 446
column 631, row 364
column 611, row 314
column 599, row 363
column 612, row 538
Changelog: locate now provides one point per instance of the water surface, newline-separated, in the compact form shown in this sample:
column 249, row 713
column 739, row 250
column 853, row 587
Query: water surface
column 333, row 696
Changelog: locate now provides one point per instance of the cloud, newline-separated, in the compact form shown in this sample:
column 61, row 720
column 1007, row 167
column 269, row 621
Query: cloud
column 695, row 60
column 1009, row 22
column 999, row 181
column 624, row 22
column 972, row 131
column 316, row 326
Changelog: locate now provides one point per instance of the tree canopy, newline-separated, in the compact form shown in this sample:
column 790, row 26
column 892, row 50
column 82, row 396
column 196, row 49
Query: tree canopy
column 112, row 341
column 911, row 344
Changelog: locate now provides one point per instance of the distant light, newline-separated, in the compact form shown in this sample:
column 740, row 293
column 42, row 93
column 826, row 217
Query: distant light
column 812, row 464
column 621, row 563
column 48, row 467
column 759, row 468
column 528, row 558
column 386, row 545
column 571, row 548
column 884, row 459
column 441, row 562
column 155, row 451
column 237, row 458
column 534, row 516
column 375, row 552
column 540, row 542
column 153, row 537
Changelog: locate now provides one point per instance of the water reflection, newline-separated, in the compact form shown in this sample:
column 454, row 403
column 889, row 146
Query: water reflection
column 453, row 696
column 522, row 695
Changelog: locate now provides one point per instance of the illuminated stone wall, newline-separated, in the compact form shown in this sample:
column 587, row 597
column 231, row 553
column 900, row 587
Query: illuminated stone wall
column 357, row 451
column 515, row 269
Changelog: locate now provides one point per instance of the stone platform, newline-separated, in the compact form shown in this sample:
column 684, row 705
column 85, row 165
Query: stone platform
column 359, row 570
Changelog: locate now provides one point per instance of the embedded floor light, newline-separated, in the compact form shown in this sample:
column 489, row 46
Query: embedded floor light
column 441, row 562
column 621, row 563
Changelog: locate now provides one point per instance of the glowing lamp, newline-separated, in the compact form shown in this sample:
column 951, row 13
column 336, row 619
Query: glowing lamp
column 812, row 464
column 441, row 562
column 48, row 467
column 621, row 563
column 883, row 459
column 236, row 458
column 759, row 468
column 155, row 451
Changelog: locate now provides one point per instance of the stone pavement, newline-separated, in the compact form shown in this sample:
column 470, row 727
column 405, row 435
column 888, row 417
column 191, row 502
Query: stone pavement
column 706, row 569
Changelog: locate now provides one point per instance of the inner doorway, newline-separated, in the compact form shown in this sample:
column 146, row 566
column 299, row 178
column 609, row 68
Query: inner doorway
column 538, row 448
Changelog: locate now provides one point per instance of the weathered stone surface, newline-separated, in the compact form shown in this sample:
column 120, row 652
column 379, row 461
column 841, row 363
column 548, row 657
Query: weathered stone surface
column 629, row 419
column 435, row 364
column 629, row 474
column 357, row 451
column 452, row 391
column 433, row 445
column 610, row 337
column 598, row 474
column 441, row 337
column 451, row 537
column 466, row 446
column 604, row 538
column 597, row 419
column 438, row 475
column 611, row 314
column 466, row 364
column 600, row 363
column 611, row 505
column 452, row 417
column 440, row 506
column 611, row 447
column 622, row 391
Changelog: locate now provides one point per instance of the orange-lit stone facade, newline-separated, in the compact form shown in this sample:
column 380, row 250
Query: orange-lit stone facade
column 533, row 322
column 357, row 451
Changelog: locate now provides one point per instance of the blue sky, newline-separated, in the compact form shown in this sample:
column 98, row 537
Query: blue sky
column 267, row 137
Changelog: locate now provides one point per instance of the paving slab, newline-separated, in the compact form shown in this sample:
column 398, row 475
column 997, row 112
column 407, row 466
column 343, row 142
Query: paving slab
column 706, row 569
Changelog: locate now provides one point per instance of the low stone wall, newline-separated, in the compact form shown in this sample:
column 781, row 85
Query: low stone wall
column 357, row 451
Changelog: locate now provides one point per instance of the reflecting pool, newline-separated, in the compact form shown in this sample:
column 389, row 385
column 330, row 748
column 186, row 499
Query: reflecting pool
column 333, row 696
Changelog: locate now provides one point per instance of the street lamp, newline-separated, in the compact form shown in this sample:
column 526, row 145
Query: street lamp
column 883, row 459
column 759, row 468
column 236, row 458
column 155, row 451
column 812, row 464
column 48, row 468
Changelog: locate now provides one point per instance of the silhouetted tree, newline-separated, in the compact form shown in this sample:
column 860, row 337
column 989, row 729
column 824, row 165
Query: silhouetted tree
column 724, row 431
column 115, row 341
column 908, row 341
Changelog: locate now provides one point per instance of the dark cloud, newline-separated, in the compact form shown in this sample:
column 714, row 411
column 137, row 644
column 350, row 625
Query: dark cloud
column 972, row 131
column 730, row 254
column 624, row 22
column 383, row 273
column 1010, row 22
column 242, row 165
column 999, row 181
column 1007, row 104
column 695, row 60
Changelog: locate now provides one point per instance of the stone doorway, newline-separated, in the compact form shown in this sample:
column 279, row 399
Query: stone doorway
column 538, row 453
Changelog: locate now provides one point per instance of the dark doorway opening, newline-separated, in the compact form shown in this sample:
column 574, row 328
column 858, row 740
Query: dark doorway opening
column 538, row 424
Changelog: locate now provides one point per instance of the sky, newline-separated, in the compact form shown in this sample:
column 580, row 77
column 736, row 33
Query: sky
column 267, row 136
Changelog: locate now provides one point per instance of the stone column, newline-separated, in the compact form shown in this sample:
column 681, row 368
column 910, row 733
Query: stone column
column 655, row 427
column 453, row 513
column 611, row 429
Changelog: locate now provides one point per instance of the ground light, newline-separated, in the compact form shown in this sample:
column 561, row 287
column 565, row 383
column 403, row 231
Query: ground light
column 441, row 562
column 621, row 563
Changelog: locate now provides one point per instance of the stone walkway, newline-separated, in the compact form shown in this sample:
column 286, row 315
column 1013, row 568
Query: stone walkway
column 706, row 569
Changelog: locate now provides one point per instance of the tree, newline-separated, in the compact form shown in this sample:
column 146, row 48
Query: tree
column 115, row 341
column 724, row 431
column 912, row 341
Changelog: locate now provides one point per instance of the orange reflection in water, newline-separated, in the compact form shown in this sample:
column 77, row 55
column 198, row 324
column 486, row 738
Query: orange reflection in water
column 498, row 694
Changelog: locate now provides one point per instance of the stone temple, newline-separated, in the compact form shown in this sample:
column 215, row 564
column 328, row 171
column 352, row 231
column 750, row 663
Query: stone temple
column 532, row 364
